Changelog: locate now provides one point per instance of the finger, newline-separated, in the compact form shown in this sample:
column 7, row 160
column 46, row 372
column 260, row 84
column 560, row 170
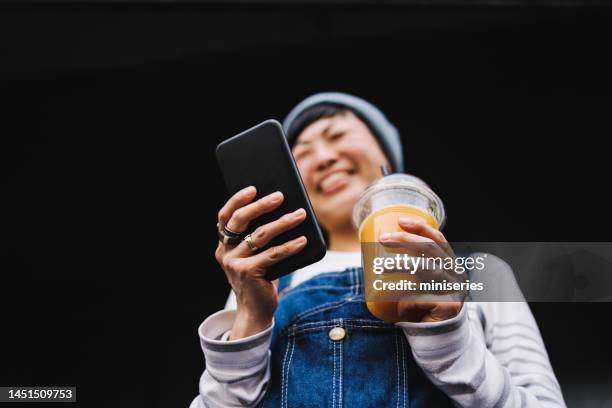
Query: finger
column 416, row 304
column 240, row 199
column 413, row 311
column 412, row 241
column 277, row 253
column 240, row 219
column 263, row 234
column 417, row 246
column 420, row 227
column 443, row 311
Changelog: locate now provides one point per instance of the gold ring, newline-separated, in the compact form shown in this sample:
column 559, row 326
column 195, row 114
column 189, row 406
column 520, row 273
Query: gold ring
column 249, row 241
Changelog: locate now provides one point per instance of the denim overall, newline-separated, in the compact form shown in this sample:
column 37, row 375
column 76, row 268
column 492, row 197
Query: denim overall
column 366, row 363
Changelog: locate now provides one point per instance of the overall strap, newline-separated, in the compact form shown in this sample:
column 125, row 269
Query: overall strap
column 283, row 282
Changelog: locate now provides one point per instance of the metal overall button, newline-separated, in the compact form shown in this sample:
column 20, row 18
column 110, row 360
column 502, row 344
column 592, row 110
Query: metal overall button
column 337, row 333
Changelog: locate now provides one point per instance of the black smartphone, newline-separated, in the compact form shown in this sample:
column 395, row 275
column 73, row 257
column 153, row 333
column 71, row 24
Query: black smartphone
column 261, row 157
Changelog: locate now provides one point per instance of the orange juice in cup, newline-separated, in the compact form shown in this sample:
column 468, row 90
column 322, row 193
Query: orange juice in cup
column 376, row 212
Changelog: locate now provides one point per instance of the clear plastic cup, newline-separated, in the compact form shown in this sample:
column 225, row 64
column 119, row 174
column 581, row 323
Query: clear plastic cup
column 377, row 211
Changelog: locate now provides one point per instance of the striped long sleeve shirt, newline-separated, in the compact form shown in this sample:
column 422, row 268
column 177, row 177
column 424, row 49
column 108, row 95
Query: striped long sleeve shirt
column 489, row 355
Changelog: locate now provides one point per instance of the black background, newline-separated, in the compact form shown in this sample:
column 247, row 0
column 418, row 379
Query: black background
column 110, row 189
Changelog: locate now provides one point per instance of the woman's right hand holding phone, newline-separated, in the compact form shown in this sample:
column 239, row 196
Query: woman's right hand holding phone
column 256, row 297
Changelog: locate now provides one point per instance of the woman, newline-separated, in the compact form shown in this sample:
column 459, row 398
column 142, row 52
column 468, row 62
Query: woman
column 309, row 339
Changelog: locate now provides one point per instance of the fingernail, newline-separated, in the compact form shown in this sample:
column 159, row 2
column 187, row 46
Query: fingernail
column 248, row 190
column 407, row 221
column 301, row 240
column 276, row 197
column 299, row 213
column 386, row 236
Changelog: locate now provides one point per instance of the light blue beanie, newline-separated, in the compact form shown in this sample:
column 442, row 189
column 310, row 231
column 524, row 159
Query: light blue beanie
column 383, row 130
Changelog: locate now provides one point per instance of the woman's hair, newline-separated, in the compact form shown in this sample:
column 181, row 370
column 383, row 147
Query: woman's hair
column 309, row 116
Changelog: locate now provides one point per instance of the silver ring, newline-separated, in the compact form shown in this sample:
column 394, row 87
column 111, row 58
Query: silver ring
column 232, row 234
column 226, row 239
column 249, row 240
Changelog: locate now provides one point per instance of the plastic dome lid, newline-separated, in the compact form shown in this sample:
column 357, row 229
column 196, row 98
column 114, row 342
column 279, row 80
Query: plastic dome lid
column 400, row 182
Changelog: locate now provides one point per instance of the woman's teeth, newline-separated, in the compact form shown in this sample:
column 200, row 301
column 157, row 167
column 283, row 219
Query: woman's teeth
column 332, row 179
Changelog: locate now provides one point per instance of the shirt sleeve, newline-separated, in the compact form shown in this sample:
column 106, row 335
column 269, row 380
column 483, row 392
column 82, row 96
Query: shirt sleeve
column 489, row 355
column 237, row 371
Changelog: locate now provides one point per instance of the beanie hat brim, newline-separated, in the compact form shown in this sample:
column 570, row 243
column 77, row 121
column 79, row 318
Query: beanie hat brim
column 384, row 131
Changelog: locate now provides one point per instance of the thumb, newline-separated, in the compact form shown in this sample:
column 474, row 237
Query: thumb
column 414, row 311
column 443, row 311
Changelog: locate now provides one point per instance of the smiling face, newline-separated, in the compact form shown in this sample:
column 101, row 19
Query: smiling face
column 338, row 157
